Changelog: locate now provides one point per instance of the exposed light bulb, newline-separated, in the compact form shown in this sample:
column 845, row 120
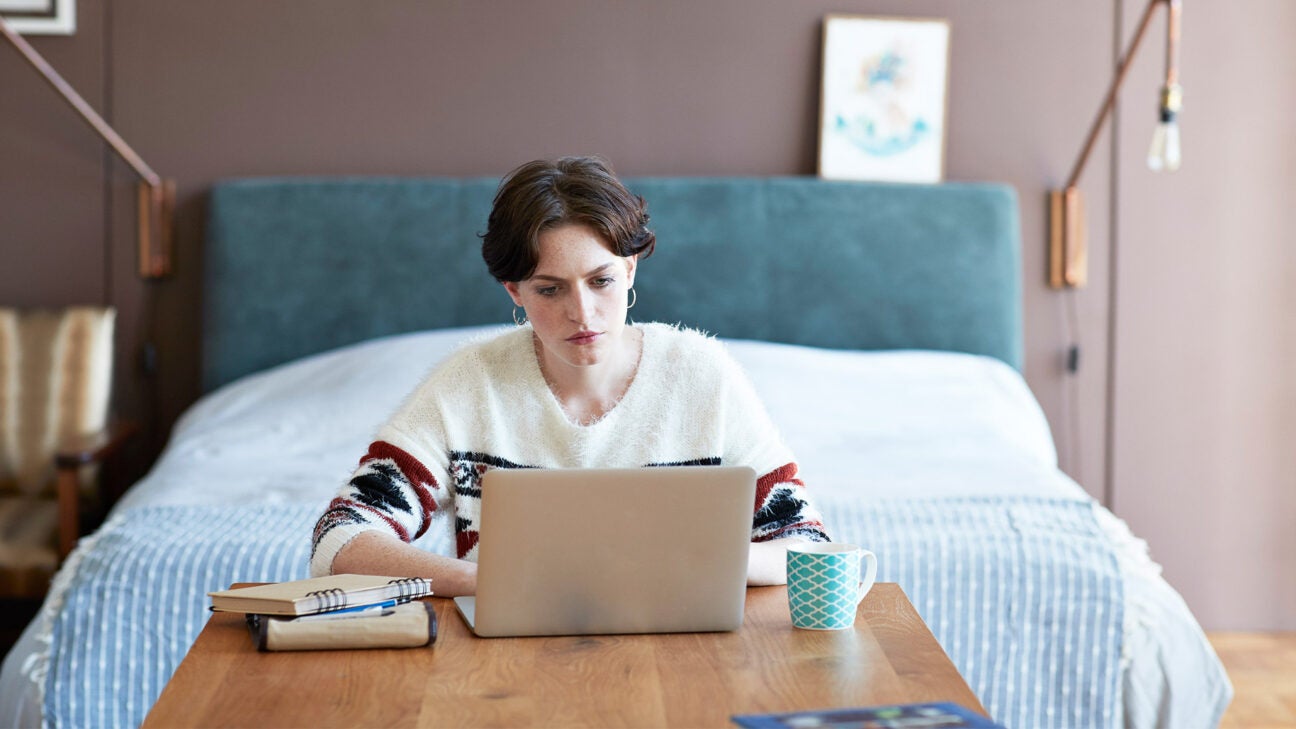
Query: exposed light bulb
column 1164, row 152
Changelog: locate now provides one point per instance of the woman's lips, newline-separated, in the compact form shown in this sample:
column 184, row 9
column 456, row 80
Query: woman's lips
column 583, row 337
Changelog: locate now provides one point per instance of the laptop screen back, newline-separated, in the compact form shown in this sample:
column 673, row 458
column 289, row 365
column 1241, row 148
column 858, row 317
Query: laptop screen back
column 603, row 551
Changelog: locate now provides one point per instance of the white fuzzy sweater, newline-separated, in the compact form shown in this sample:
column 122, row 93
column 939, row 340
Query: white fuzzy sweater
column 488, row 406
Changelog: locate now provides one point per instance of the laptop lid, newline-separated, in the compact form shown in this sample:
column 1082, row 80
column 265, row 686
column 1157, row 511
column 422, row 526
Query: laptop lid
column 604, row 551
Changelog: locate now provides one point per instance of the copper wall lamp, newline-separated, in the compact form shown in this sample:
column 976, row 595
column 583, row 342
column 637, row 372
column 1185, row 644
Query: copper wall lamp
column 156, row 196
column 1067, row 250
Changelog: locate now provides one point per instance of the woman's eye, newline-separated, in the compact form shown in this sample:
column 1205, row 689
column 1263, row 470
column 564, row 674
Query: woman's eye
column 604, row 282
column 547, row 290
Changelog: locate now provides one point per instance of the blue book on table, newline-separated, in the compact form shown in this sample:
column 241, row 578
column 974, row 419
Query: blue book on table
column 907, row 716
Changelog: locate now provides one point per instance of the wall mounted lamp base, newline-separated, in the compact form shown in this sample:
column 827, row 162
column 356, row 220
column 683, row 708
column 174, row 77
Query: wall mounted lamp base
column 156, row 228
column 1068, row 253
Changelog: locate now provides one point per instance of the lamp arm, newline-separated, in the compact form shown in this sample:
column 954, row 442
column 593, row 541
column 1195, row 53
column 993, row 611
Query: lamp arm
column 72, row 97
column 156, row 196
column 1172, row 41
column 1110, row 102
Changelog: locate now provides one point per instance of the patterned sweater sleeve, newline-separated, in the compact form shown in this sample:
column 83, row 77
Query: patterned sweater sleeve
column 783, row 505
column 398, row 488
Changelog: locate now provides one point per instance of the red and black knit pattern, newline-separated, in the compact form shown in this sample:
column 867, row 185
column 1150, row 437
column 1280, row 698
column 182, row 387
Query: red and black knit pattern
column 466, row 471
column 782, row 509
column 390, row 482
column 385, row 488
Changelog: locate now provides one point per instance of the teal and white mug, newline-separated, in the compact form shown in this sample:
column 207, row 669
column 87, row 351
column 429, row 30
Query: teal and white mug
column 824, row 586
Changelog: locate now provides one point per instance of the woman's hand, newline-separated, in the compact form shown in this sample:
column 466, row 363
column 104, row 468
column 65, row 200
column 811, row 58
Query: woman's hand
column 378, row 553
column 767, row 564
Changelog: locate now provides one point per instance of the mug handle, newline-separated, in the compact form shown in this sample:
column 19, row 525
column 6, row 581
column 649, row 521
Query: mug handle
column 870, row 574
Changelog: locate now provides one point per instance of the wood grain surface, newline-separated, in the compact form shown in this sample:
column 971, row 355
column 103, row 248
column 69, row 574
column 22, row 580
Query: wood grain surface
column 1262, row 667
column 685, row 679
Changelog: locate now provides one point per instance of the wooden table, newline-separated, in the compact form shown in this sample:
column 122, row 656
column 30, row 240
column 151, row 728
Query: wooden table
column 689, row 679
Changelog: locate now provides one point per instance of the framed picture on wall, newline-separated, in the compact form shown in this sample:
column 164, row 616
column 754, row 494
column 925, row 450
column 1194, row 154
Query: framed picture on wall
column 40, row 17
column 882, row 104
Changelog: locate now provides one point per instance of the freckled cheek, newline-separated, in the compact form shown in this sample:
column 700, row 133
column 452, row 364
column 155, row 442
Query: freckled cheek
column 606, row 305
column 547, row 314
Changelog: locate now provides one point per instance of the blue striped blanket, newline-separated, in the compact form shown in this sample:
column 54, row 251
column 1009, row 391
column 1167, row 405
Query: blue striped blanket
column 1023, row 594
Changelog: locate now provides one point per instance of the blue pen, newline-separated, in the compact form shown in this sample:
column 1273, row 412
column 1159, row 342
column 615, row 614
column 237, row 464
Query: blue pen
column 378, row 608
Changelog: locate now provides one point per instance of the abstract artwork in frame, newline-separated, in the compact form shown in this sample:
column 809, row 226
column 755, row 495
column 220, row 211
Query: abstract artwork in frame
column 882, row 109
column 40, row 17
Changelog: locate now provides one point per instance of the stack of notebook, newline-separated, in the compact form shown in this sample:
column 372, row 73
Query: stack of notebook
column 334, row 612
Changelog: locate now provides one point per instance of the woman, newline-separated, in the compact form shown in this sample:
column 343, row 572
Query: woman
column 573, row 386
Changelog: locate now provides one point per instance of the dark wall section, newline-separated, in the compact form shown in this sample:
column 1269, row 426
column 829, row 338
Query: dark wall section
column 52, row 174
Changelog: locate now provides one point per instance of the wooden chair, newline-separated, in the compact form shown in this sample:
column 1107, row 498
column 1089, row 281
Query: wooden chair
column 55, row 380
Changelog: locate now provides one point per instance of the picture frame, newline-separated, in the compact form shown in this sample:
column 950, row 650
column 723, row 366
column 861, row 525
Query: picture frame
column 40, row 17
column 883, row 100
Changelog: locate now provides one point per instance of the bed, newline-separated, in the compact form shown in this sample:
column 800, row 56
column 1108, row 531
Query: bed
column 881, row 325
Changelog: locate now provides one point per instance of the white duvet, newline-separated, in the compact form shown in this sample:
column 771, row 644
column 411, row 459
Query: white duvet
column 867, row 426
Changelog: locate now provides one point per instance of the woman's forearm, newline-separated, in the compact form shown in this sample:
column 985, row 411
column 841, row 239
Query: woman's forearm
column 377, row 553
column 767, row 563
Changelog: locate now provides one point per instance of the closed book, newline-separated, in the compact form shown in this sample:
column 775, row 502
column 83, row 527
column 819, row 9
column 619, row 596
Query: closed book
column 936, row 715
column 319, row 594
column 409, row 625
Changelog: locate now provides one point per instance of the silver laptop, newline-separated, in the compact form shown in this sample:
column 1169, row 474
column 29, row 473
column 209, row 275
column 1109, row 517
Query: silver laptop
column 603, row 551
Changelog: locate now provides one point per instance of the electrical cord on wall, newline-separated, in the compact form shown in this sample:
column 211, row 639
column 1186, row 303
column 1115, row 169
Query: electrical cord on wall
column 1072, row 442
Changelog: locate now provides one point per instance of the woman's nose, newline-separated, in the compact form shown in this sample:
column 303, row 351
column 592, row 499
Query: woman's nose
column 582, row 306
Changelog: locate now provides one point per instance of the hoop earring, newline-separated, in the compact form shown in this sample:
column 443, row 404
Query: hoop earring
column 516, row 320
column 634, row 298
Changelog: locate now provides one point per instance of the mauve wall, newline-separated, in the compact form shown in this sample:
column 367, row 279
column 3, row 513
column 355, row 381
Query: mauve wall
column 1202, row 403
column 1205, row 386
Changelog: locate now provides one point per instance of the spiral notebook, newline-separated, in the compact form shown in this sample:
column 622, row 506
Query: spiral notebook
column 319, row 594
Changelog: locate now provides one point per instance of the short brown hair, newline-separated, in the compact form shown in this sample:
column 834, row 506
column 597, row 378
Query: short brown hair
column 547, row 194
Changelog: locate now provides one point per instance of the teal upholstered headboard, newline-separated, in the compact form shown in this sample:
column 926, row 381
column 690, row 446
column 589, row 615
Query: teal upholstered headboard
column 298, row 266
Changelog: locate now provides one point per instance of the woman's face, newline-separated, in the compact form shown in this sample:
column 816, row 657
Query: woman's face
column 576, row 299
